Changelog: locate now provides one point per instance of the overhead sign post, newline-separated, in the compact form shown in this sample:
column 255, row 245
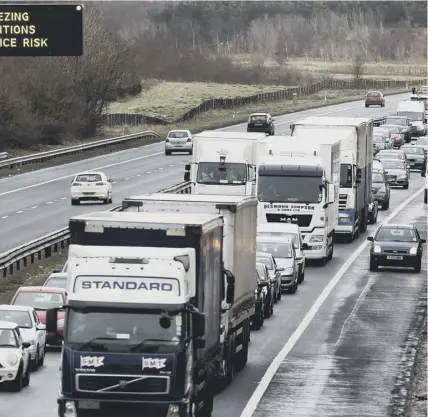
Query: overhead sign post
column 41, row 30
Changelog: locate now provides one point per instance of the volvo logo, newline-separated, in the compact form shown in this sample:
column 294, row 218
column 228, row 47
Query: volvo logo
column 122, row 384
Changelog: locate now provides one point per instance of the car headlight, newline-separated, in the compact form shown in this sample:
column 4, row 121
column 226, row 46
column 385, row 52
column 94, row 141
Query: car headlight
column 403, row 176
column 60, row 323
column 381, row 190
column 317, row 238
column 377, row 249
column 413, row 251
column 287, row 271
column 12, row 359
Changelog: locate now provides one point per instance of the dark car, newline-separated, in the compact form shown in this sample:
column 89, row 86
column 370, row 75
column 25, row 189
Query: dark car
column 258, row 318
column 396, row 173
column 416, row 157
column 375, row 98
column 261, row 122
column 397, row 134
column 273, row 270
column 381, row 189
column 268, row 290
column 396, row 245
column 373, row 210
column 405, row 124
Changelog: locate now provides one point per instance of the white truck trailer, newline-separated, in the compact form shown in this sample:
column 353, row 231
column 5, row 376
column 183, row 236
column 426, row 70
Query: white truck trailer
column 356, row 135
column 223, row 163
column 299, row 183
column 239, row 257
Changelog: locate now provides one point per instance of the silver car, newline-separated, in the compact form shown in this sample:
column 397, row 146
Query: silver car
column 179, row 141
column 397, row 173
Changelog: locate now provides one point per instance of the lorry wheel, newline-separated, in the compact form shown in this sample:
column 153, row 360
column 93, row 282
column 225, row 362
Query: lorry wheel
column 242, row 358
column 330, row 255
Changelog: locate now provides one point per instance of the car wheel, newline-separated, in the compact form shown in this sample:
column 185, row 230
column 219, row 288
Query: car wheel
column 26, row 379
column 425, row 196
column 167, row 153
column 373, row 265
column 111, row 199
column 34, row 364
column 271, row 309
column 406, row 187
column 294, row 289
column 267, row 312
column 106, row 200
column 17, row 384
column 75, row 202
column 418, row 265
column 191, row 152
column 42, row 357
column 385, row 206
column 279, row 294
column 302, row 276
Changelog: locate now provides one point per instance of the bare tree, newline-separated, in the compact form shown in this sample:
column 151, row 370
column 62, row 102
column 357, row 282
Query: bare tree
column 358, row 69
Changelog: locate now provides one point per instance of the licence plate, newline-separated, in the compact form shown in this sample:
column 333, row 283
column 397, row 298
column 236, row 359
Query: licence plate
column 88, row 193
column 89, row 405
column 258, row 124
column 394, row 258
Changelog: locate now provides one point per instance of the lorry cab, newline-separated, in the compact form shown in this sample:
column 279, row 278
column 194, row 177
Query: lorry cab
column 415, row 111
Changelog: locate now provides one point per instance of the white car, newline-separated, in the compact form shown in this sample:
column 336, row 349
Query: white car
column 377, row 165
column 32, row 331
column 179, row 141
column 14, row 357
column 91, row 186
column 57, row 280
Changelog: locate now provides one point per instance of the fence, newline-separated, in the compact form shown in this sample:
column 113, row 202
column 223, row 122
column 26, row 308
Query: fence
column 285, row 94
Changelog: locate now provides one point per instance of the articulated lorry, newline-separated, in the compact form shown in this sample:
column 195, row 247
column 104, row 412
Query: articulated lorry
column 143, row 315
column 298, row 182
column 356, row 159
column 239, row 257
column 223, row 163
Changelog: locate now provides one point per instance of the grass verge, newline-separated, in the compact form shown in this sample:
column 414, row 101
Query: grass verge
column 34, row 274
column 170, row 100
column 208, row 120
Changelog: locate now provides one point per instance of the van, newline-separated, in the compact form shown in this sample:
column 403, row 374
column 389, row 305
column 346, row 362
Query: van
column 415, row 111
column 287, row 230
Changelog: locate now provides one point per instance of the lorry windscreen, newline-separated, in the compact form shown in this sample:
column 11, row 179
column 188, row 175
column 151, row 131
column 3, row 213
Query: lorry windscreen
column 345, row 176
column 290, row 189
column 123, row 331
column 413, row 116
column 217, row 173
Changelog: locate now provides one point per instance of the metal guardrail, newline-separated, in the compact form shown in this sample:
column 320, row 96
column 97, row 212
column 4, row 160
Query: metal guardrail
column 45, row 156
column 4, row 155
column 43, row 247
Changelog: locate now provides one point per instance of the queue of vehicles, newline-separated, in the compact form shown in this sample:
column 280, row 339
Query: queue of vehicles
column 157, row 301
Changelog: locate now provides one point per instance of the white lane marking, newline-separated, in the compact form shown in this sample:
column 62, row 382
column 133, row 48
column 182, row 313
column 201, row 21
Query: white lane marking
column 161, row 153
column 5, row 217
column 20, row 211
column 49, row 202
column 63, row 198
column 171, row 165
column 258, row 393
column 148, row 172
column 126, row 179
column 160, row 169
column 34, row 207
column 138, row 175
column 73, row 175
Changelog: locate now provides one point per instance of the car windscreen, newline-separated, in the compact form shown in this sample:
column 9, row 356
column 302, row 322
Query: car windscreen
column 21, row 318
column 178, row 135
column 57, row 282
column 413, row 150
column 277, row 250
column 381, row 155
column 265, row 260
column 259, row 118
column 422, row 141
column 261, row 272
column 7, row 338
column 395, row 130
column 396, row 235
column 39, row 300
column 399, row 122
column 88, row 178
column 377, row 177
column 373, row 94
column 395, row 164
column 378, row 139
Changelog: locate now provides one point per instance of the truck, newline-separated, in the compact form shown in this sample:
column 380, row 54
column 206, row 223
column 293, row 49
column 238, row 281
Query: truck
column 356, row 159
column 223, row 163
column 143, row 315
column 298, row 182
column 239, row 256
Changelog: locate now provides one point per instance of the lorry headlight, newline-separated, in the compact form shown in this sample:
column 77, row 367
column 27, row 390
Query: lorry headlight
column 377, row 249
column 173, row 411
column 13, row 360
column 317, row 238
column 413, row 251
column 70, row 409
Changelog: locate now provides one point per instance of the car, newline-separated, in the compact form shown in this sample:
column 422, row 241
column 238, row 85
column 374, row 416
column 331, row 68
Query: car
column 379, row 130
column 43, row 299
column 377, row 166
column 274, row 272
column 32, row 331
column 422, row 141
column 288, row 231
column 373, row 210
column 397, row 135
column 396, row 245
column 64, row 269
column 258, row 318
column 261, row 122
column 57, row 280
column 14, row 357
column 374, row 98
column 381, row 189
column 415, row 111
column 391, row 154
column 397, row 173
column 405, row 124
column 179, row 141
column 268, row 290
column 379, row 144
column 416, row 157
column 91, row 186
column 285, row 257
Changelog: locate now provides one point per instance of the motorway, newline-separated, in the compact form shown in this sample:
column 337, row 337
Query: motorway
column 338, row 347
column 36, row 203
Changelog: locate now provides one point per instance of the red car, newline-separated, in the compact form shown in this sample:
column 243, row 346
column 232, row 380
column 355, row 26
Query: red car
column 397, row 135
column 42, row 299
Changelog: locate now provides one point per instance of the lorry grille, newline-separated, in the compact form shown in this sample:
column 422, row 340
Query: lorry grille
column 302, row 220
column 122, row 384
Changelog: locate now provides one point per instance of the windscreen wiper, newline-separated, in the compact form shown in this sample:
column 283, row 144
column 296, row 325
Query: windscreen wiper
column 89, row 343
column 143, row 342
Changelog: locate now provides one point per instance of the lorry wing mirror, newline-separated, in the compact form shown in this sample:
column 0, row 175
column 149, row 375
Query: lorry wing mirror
column 280, row 269
column 198, row 322
column 370, row 239
column 358, row 173
column 187, row 167
column 304, row 246
column 423, row 241
column 331, row 193
column 230, row 292
column 187, row 176
column 51, row 320
column 263, row 284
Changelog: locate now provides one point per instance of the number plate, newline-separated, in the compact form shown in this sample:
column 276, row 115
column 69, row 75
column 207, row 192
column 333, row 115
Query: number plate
column 88, row 193
column 395, row 258
column 258, row 124
column 89, row 405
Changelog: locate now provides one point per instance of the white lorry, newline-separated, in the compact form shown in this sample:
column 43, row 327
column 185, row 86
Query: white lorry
column 223, row 163
column 298, row 182
column 356, row 136
column 239, row 257
column 143, row 315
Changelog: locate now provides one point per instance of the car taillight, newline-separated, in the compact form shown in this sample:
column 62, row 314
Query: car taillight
column 268, row 121
column 76, row 184
column 166, row 140
column 100, row 183
column 189, row 140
